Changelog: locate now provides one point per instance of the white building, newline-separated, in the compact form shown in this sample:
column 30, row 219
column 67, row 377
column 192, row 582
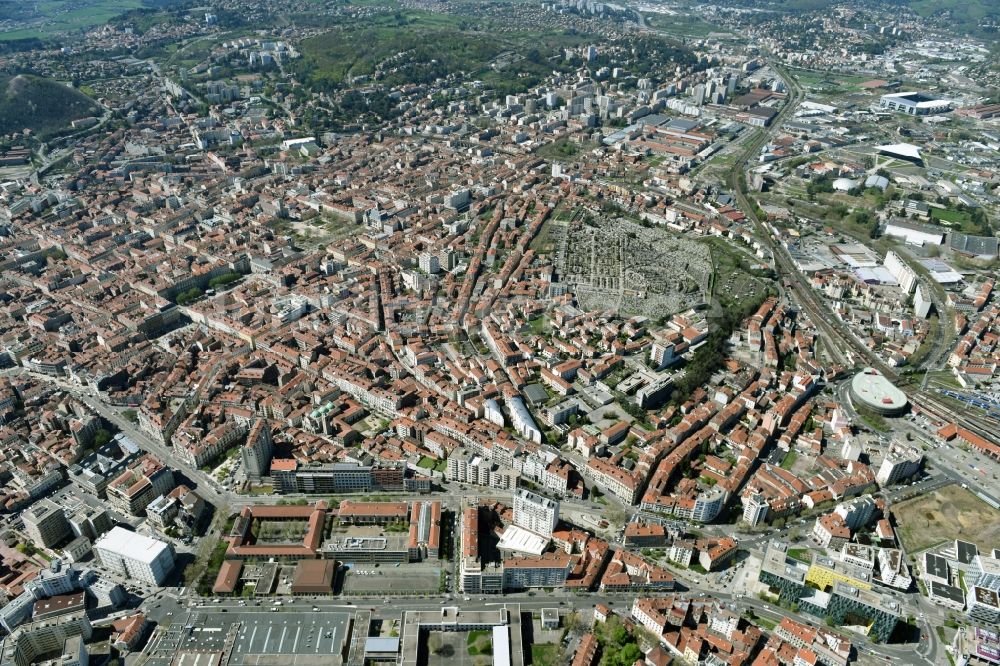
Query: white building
column 914, row 234
column 900, row 462
column 755, row 509
column 921, row 304
column 135, row 556
column 914, row 103
column 429, row 263
column 857, row 513
column 905, row 276
column 521, row 419
column 535, row 513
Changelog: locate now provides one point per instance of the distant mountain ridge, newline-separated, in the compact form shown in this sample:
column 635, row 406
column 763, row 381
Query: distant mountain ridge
column 42, row 105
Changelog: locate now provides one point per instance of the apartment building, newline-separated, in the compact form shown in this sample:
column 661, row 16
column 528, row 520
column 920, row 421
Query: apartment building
column 45, row 523
column 256, row 453
column 535, row 513
column 136, row 487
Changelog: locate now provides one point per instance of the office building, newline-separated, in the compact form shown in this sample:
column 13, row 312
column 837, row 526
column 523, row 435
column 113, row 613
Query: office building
column 135, row 556
column 983, row 595
column 535, row 513
column 288, row 476
column 503, row 623
column 45, row 523
column 842, row 601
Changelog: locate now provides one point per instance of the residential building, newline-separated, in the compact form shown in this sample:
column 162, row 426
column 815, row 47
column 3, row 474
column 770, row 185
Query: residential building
column 136, row 487
column 900, row 462
column 535, row 513
column 45, row 523
column 256, row 453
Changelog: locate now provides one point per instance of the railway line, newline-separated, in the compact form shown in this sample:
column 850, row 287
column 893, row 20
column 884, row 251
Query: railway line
column 842, row 347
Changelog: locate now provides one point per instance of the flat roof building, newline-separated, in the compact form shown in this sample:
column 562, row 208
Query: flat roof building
column 314, row 577
column 520, row 540
column 135, row 556
column 535, row 513
column 509, row 642
column 45, row 522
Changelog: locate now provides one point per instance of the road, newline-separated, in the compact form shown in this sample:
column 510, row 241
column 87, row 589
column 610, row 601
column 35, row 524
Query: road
column 207, row 489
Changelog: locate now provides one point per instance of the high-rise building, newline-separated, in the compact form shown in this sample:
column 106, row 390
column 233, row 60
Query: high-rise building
column 921, row 303
column 429, row 263
column 535, row 513
column 45, row 523
column 900, row 462
column 136, row 556
column 257, row 452
column 90, row 522
column 661, row 354
column 755, row 509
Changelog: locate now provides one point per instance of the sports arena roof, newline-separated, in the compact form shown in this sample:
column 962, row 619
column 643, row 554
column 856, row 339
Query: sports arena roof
column 917, row 99
column 906, row 150
column 876, row 392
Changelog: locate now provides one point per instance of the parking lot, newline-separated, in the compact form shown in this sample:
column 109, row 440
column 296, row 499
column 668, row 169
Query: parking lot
column 294, row 638
column 413, row 579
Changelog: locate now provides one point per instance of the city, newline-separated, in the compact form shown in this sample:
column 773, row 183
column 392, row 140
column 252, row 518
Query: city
column 429, row 332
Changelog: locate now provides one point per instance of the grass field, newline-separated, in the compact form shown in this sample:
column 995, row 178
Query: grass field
column 945, row 515
column 681, row 25
column 789, row 460
column 545, row 654
column 480, row 642
column 280, row 532
column 50, row 17
column 827, row 82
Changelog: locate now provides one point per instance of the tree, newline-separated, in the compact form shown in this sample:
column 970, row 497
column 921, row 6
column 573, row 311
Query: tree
column 434, row 643
column 615, row 515
column 572, row 622
column 101, row 437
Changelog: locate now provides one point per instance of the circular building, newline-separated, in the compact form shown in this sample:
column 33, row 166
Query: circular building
column 872, row 390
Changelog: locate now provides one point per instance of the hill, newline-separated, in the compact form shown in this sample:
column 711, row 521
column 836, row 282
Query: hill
column 42, row 105
column 964, row 16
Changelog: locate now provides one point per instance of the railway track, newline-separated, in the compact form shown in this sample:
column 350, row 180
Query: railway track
column 842, row 347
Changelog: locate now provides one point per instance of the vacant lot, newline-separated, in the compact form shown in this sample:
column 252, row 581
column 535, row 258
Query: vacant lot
column 945, row 515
